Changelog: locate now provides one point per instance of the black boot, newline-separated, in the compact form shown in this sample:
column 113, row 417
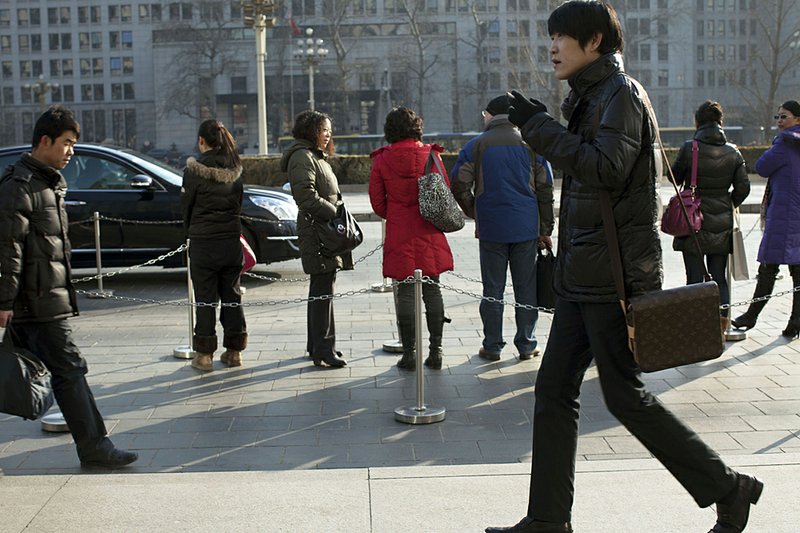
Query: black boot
column 435, row 318
column 792, row 330
column 406, row 326
column 766, row 282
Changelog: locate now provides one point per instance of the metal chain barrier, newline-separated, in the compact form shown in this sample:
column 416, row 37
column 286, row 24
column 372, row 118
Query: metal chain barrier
column 151, row 262
column 295, row 280
column 145, row 222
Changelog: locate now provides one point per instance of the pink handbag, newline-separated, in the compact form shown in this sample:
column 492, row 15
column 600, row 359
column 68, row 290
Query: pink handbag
column 248, row 256
column 672, row 221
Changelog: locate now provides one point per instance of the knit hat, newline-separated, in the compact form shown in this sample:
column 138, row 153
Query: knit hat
column 790, row 105
column 499, row 105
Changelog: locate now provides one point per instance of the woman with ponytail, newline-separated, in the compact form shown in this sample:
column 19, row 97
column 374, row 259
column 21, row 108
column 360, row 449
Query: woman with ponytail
column 211, row 200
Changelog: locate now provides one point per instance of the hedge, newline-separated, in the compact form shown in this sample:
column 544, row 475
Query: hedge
column 354, row 169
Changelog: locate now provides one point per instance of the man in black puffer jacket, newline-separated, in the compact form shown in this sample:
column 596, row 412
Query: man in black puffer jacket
column 35, row 287
column 607, row 146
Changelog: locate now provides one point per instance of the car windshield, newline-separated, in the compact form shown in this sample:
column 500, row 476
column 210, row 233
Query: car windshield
column 160, row 168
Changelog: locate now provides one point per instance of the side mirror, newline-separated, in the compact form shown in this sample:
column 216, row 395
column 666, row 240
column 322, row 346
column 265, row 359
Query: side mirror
column 141, row 181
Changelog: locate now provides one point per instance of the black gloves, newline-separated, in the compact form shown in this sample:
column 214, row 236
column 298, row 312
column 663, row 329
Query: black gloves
column 522, row 109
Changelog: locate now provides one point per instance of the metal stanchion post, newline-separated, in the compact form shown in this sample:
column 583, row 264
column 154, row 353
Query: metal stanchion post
column 420, row 413
column 54, row 423
column 100, row 293
column 732, row 334
column 386, row 284
column 186, row 352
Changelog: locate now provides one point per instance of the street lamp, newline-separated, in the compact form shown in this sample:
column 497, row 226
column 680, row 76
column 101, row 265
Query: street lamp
column 257, row 14
column 310, row 52
column 40, row 89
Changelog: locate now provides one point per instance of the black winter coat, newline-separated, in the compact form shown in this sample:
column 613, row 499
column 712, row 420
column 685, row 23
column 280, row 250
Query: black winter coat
column 211, row 198
column 35, row 276
column 720, row 166
column 608, row 145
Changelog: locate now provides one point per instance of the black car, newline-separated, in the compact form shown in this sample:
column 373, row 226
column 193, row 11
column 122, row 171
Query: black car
column 142, row 197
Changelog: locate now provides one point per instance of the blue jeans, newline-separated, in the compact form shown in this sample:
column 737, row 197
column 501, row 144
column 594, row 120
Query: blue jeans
column 716, row 264
column 496, row 257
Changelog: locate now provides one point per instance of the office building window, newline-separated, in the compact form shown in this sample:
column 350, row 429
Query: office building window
column 55, row 94
column 53, row 41
column 113, row 40
column 115, row 64
column 83, row 40
column 99, row 92
column 7, row 68
column 97, row 66
column 239, row 84
column 66, row 67
column 68, row 93
column 701, row 54
column 5, row 18
column 128, row 91
column 86, row 66
column 5, row 44
column 8, row 97
column 36, row 42
column 125, row 13
column 127, row 65
column 127, row 40
column 113, row 14
column 55, row 68
column 663, row 52
column 97, row 40
column 663, row 78
column 24, row 43
column 66, row 41
column 23, row 18
column 25, row 69
column 83, row 14
column 86, row 93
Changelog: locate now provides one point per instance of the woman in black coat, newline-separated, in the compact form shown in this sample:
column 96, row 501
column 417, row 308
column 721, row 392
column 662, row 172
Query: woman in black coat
column 211, row 200
column 722, row 184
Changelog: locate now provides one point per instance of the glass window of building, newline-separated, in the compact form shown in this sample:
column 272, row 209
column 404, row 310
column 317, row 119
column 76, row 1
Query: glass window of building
column 663, row 78
column 83, row 40
column 8, row 96
column 67, row 67
column 115, row 64
column 24, row 43
column 5, row 44
column 116, row 91
column 127, row 65
column 186, row 11
column 38, row 67
column 68, row 92
column 55, row 94
column 23, row 20
column 26, row 96
column 97, row 40
column 83, row 14
column 155, row 12
column 113, row 40
column 98, row 92
column 5, row 18
column 95, row 14
column 663, row 51
column 36, row 42
column 53, row 41
column 97, row 66
column 125, row 13
column 113, row 14
column 66, row 41
column 7, row 68
column 86, row 66
column 128, row 91
column 64, row 15
column 127, row 39
column 55, row 68
column 25, row 69
column 35, row 16
column 86, row 93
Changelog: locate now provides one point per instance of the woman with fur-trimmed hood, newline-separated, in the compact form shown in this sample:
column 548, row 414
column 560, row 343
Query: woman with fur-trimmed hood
column 211, row 201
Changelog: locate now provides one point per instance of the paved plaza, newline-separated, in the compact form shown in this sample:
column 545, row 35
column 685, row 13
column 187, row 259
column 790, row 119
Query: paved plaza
column 281, row 445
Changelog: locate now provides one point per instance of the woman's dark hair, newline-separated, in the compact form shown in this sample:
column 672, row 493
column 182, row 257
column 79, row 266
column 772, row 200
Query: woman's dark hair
column 402, row 123
column 219, row 139
column 308, row 125
column 709, row 111
column 582, row 19
column 793, row 107
column 53, row 123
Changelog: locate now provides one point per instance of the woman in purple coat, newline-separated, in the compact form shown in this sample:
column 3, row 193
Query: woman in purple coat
column 780, row 244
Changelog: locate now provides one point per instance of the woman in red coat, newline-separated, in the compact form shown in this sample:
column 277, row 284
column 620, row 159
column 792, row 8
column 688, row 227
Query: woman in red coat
column 411, row 241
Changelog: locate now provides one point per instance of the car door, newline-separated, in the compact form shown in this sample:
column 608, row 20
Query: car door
column 137, row 223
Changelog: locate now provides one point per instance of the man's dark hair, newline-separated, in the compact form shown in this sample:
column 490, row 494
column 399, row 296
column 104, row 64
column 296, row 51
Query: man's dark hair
column 54, row 122
column 308, row 125
column 402, row 123
column 582, row 19
column 709, row 111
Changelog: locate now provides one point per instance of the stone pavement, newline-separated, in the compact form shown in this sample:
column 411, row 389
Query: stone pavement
column 280, row 445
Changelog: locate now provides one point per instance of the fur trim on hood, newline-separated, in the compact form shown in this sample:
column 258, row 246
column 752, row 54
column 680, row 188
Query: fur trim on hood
column 222, row 175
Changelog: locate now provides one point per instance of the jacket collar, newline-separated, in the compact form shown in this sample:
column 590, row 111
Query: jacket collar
column 595, row 72
column 497, row 121
column 213, row 173
column 52, row 176
column 710, row 133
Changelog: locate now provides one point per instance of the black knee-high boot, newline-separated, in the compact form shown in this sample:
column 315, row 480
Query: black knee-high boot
column 793, row 327
column 764, row 286
column 434, row 316
column 404, row 306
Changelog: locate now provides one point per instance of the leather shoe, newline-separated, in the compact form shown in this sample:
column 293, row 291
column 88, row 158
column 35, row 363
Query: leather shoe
column 333, row 360
column 525, row 356
column 113, row 459
column 529, row 525
column 486, row 354
column 734, row 509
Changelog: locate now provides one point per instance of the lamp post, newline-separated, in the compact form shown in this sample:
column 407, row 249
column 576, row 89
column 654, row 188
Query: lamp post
column 257, row 14
column 40, row 89
column 310, row 51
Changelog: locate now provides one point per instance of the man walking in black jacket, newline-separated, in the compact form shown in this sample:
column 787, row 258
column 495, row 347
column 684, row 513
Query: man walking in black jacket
column 607, row 146
column 36, row 294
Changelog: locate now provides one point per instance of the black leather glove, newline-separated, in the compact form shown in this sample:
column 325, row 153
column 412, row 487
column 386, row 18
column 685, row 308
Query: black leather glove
column 522, row 109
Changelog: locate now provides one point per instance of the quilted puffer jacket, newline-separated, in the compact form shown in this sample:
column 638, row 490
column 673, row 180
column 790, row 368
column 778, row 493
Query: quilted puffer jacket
column 34, row 249
column 607, row 146
column 721, row 184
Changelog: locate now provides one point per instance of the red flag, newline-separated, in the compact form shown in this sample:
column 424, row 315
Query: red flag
column 296, row 31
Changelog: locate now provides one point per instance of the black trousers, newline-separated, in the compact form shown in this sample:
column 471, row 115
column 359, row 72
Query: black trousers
column 321, row 326
column 581, row 332
column 52, row 343
column 216, row 267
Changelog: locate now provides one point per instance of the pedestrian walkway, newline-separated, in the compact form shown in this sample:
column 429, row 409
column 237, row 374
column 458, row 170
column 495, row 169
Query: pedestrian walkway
column 281, row 445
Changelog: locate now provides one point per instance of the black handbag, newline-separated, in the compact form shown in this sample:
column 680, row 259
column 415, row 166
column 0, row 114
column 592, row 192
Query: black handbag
column 339, row 235
column 545, row 268
column 25, row 388
column 437, row 204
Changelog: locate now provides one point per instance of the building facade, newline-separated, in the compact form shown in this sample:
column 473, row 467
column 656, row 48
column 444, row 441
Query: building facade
column 145, row 73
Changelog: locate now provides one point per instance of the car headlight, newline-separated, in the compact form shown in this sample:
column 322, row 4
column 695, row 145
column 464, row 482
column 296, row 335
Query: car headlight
column 280, row 209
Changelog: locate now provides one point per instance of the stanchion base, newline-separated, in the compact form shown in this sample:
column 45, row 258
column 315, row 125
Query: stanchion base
column 414, row 415
column 393, row 346
column 735, row 335
column 54, row 423
column 105, row 293
column 380, row 287
column 183, row 352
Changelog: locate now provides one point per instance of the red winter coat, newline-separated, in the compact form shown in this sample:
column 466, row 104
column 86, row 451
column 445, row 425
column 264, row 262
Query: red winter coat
column 411, row 241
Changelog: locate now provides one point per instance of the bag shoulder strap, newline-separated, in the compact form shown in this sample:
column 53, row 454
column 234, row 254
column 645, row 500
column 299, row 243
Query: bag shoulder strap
column 433, row 161
column 695, row 151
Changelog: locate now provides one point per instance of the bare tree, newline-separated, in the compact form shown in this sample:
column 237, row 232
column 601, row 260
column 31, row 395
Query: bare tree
column 343, row 41
column 205, row 54
column 775, row 52
column 422, row 66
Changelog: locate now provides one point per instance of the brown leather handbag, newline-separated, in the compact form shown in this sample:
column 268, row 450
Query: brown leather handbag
column 670, row 327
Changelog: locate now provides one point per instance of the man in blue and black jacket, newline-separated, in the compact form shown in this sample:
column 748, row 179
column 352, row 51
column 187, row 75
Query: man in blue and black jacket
column 502, row 184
